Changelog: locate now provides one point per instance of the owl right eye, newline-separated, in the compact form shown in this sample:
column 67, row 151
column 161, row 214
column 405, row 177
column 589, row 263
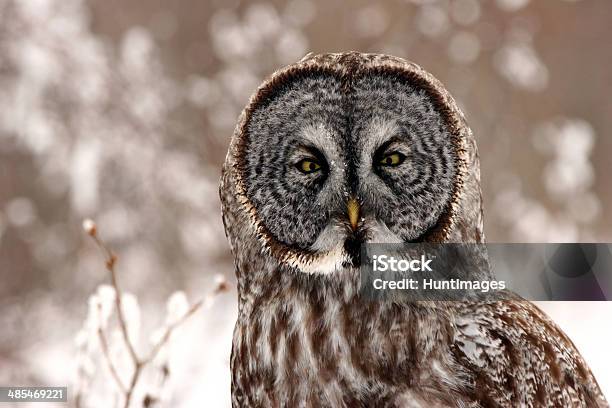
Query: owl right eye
column 308, row 166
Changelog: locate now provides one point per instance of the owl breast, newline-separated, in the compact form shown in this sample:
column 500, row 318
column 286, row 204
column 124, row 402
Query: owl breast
column 313, row 348
column 302, row 351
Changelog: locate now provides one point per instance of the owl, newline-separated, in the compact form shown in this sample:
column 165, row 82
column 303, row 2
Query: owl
column 336, row 151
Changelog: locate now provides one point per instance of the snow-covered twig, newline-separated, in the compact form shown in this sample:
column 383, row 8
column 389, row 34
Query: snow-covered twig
column 139, row 363
column 109, row 360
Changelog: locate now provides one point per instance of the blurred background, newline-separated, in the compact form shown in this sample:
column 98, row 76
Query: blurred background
column 122, row 110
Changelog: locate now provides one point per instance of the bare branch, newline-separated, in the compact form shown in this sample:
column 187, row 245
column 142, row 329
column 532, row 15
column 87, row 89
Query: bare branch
column 109, row 361
column 130, row 392
column 166, row 336
column 111, row 260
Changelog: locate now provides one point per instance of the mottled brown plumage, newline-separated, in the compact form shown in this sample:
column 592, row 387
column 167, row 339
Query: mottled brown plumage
column 304, row 337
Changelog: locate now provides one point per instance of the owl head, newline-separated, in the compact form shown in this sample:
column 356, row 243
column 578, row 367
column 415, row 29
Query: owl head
column 339, row 150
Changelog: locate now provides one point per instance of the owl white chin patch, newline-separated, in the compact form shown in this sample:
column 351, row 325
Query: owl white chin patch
column 323, row 263
column 328, row 252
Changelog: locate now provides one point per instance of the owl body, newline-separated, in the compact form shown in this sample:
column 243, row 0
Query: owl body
column 311, row 343
column 336, row 151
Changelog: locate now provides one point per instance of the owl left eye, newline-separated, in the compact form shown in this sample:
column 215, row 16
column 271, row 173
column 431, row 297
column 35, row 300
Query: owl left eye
column 307, row 166
column 392, row 159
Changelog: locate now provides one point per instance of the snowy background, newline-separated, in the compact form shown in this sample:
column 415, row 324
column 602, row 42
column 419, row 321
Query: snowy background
column 121, row 111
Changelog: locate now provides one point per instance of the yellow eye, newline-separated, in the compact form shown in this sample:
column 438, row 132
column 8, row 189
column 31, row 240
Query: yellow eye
column 308, row 166
column 392, row 159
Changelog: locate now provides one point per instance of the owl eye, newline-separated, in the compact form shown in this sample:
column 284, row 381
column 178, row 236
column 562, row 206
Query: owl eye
column 392, row 159
column 307, row 166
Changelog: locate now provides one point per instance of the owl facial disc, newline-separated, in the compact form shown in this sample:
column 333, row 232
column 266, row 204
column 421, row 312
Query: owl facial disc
column 331, row 158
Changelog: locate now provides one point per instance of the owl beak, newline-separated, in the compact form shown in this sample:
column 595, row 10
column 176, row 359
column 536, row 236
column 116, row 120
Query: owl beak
column 352, row 209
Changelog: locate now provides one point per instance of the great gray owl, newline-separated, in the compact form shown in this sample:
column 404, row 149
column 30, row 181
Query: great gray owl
column 342, row 149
